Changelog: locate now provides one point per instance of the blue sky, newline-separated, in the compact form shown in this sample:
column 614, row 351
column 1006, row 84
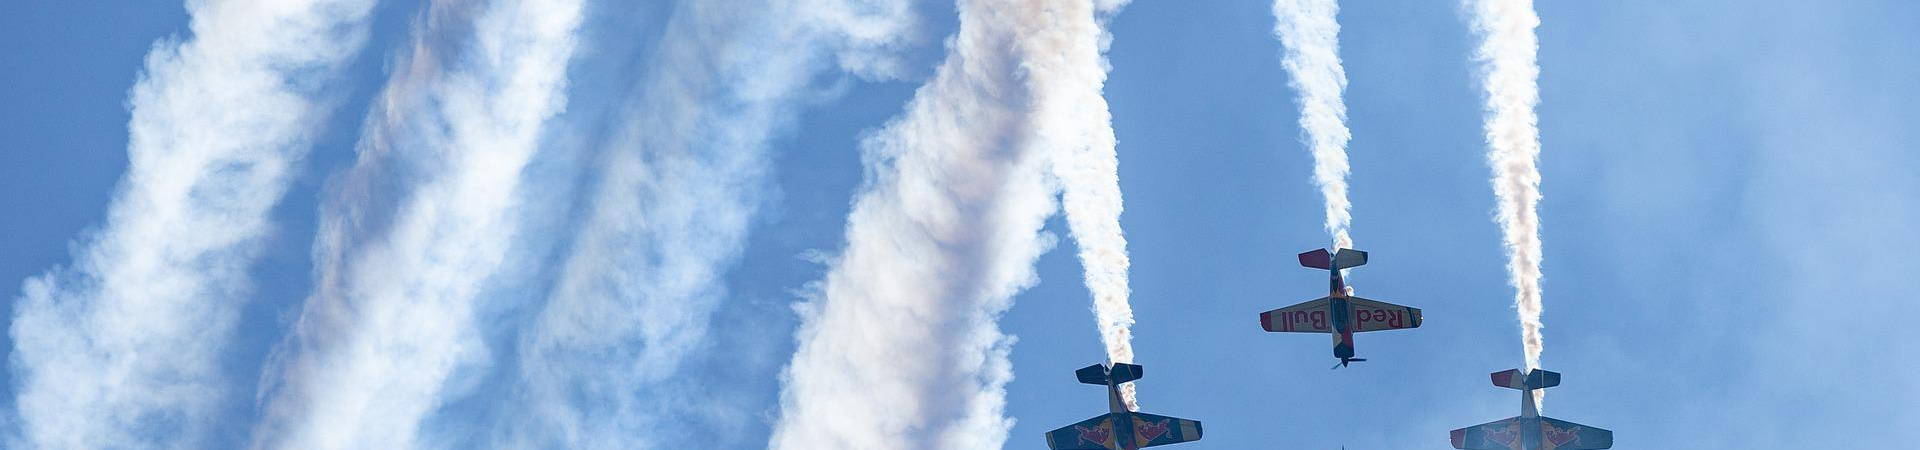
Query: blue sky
column 1729, row 192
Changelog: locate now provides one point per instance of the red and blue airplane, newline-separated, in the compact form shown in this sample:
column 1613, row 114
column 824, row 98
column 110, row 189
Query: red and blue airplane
column 1339, row 313
column 1530, row 431
column 1120, row 428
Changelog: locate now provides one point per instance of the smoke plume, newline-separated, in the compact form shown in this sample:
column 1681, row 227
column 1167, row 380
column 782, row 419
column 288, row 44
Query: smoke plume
column 1507, row 53
column 900, row 348
column 392, row 322
column 123, row 349
column 680, row 184
column 1311, row 37
column 1074, row 124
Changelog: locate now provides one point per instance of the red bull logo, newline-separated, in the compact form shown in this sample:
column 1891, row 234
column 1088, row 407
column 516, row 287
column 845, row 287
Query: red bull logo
column 1101, row 434
column 1393, row 318
column 1507, row 436
column 1145, row 432
column 1300, row 320
column 1551, row 437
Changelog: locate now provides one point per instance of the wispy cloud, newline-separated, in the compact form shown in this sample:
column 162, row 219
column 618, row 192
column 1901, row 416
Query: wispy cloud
column 1311, row 37
column 679, row 185
column 1508, row 54
column 419, row 228
column 122, row 349
column 900, row 349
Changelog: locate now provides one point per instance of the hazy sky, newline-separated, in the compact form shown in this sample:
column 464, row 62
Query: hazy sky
column 1731, row 189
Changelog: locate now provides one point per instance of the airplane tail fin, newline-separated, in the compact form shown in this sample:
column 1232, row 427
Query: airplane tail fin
column 1346, row 258
column 1536, row 379
column 1102, row 375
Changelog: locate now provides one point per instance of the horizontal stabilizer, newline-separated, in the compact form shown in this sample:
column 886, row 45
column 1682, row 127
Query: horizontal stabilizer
column 1094, row 374
column 1346, row 258
column 1318, row 259
column 1123, row 372
column 1101, row 375
column 1537, row 379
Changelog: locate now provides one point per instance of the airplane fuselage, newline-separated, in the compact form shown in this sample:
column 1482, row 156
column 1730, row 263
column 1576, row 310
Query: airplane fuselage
column 1122, row 425
column 1341, row 311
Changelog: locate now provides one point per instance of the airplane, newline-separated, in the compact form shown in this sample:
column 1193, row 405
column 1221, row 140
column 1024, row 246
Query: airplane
column 1530, row 431
column 1120, row 428
column 1338, row 313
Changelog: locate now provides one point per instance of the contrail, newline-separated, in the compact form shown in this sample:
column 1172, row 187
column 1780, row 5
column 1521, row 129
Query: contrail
column 1311, row 36
column 1076, row 126
column 392, row 321
column 681, row 183
column 899, row 349
column 1508, row 50
column 123, row 349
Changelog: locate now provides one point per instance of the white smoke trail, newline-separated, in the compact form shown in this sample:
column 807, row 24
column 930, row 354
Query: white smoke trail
column 123, row 349
column 1508, row 50
column 900, row 350
column 679, row 188
column 392, row 320
column 1074, row 124
column 1311, row 36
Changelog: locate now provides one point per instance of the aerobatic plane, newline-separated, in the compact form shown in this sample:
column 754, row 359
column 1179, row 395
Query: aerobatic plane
column 1530, row 431
column 1120, row 428
column 1338, row 313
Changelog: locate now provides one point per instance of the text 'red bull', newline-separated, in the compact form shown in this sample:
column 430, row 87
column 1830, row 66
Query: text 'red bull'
column 1302, row 320
column 1394, row 318
column 1317, row 320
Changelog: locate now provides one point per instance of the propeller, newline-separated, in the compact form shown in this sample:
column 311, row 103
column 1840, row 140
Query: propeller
column 1343, row 362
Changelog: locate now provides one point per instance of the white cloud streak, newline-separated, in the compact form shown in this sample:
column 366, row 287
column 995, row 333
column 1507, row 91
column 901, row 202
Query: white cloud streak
column 1076, row 127
column 680, row 184
column 392, row 322
column 1508, row 52
column 1311, row 37
column 900, row 348
column 123, row 349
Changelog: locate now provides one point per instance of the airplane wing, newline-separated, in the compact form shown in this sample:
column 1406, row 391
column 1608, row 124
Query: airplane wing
column 1375, row 315
column 1150, row 430
column 1090, row 434
column 1307, row 317
column 1564, row 435
column 1503, row 434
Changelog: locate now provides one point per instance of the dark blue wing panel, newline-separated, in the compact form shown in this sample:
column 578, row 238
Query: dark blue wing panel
column 1091, row 434
column 1150, row 430
column 1503, row 434
column 1556, row 434
column 1515, row 433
